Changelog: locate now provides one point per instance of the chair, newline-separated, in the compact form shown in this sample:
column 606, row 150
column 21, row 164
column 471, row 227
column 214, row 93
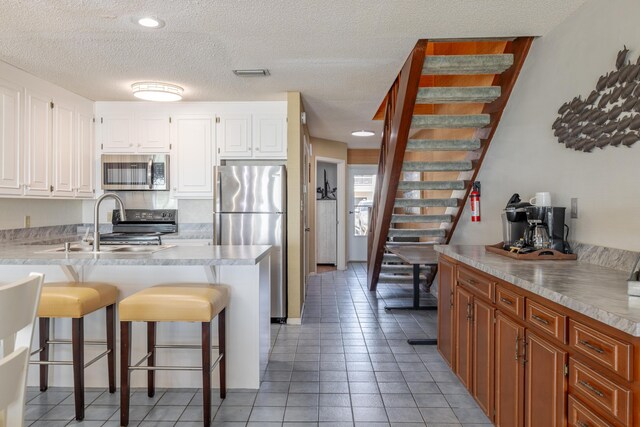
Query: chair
column 76, row 300
column 178, row 302
column 18, row 305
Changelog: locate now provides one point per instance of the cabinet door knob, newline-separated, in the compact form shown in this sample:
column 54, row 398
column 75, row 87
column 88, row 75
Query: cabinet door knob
column 257, row 148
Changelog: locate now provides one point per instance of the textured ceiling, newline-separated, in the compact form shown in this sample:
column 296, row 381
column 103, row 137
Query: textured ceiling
column 342, row 55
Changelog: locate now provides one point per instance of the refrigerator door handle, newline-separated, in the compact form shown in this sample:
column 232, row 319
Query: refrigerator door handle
column 217, row 190
column 217, row 234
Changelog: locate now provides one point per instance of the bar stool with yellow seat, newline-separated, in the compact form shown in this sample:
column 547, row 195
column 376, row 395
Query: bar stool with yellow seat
column 76, row 300
column 179, row 302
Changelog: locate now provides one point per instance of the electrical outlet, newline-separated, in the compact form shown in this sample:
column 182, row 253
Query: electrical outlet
column 109, row 216
column 27, row 221
column 574, row 207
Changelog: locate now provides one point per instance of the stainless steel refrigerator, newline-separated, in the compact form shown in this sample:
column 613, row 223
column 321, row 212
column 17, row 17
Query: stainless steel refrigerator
column 250, row 208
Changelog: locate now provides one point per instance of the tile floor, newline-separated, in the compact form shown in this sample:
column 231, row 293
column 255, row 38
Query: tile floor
column 347, row 364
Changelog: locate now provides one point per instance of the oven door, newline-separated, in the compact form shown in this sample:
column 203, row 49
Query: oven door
column 141, row 172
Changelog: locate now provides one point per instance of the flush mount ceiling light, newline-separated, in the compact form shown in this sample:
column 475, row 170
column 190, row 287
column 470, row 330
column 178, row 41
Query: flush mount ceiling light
column 362, row 133
column 149, row 22
column 156, row 91
column 260, row 72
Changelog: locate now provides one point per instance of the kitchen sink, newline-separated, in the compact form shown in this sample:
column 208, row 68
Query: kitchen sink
column 105, row 249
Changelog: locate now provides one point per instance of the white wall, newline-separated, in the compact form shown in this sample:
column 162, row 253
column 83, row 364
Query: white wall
column 43, row 212
column 524, row 156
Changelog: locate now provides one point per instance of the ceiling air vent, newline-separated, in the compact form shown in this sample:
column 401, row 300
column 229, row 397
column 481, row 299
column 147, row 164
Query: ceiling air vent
column 262, row 72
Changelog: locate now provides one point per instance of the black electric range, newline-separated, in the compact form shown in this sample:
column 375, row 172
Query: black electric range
column 142, row 227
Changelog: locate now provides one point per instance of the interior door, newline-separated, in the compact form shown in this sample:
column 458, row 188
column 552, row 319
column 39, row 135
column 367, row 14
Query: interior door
column 361, row 185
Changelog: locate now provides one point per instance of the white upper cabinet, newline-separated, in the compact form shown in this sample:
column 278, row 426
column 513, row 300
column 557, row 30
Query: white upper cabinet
column 10, row 138
column 63, row 149
column 270, row 136
column 153, row 133
column 234, row 136
column 84, row 159
column 135, row 133
column 192, row 137
column 38, row 145
column 117, row 133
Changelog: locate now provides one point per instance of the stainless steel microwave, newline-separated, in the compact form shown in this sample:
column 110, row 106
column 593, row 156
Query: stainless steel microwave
column 135, row 172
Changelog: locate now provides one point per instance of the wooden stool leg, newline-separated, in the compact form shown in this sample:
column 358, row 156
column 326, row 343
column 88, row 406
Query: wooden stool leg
column 206, row 372
column 151, row 348
column 44, row 354
column 125, row 360
column 77, row 342
column 111, row 357
column 222, row 350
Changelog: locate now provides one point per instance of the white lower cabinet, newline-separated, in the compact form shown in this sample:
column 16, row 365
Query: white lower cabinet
column 10, row 138
column 192, row 141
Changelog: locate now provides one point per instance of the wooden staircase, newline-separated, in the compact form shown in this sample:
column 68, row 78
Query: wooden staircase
column 439, row 118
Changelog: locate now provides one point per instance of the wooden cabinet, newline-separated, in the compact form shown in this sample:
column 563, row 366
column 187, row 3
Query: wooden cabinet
column 545, row 383
column 192, row 137
column 270, row 136
column 509, row 372
column 234, row 136
column 483, row 355
column 463, row 318
column 529, row 362
column 446, row 289
column 38, row 144
column 10, row 138
column 135, row 133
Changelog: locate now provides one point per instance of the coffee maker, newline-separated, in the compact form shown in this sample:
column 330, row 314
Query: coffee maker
column 514, row 221
column 547, row 221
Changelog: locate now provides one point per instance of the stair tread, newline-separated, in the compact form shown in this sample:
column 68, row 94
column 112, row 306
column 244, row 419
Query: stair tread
column 450, row 94
column 431, row 185
column 391, row 244
column 464, row 165
column 450, row 202
column 416, row 232
column 467, row 64
column 453, row 121
column 443, row 144
column 400, row 218
column 406, row 268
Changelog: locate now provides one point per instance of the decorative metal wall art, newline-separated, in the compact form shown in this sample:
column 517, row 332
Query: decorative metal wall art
column 610, row 115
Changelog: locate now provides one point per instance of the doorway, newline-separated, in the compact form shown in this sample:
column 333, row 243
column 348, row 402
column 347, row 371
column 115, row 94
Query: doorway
column 361, row 188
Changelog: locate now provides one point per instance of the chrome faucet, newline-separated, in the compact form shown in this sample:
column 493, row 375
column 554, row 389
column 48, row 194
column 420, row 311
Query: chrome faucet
column 96, row 217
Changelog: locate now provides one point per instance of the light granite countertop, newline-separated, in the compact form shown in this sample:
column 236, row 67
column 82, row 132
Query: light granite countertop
column 187, row 255
column 597, row 292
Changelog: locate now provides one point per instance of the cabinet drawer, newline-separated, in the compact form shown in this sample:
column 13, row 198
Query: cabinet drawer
column 546, row 320
column 581, row 416
column 510, row 302
column 478, row 284
column 608, row 351
column 600, row 392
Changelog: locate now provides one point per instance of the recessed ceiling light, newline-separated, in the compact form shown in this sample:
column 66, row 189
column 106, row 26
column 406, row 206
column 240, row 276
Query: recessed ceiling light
column 362, row 133
column 150, row 22
column 156, row 91
column 259, row 72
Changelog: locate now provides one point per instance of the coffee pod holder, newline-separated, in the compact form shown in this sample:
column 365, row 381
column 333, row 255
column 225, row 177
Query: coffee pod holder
column 633, row 283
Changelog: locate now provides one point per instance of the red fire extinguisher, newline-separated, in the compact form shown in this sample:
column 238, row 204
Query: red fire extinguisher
column 475, row 202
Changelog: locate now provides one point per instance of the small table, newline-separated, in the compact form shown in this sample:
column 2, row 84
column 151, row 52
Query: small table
column 416, row 256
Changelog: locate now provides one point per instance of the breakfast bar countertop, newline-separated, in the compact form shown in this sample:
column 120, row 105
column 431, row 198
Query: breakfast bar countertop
column 594, row 291
column 186, row 255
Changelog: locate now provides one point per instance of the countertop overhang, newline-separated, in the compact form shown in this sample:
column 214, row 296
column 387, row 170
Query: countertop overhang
column 204, row 255
column 594, row 291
